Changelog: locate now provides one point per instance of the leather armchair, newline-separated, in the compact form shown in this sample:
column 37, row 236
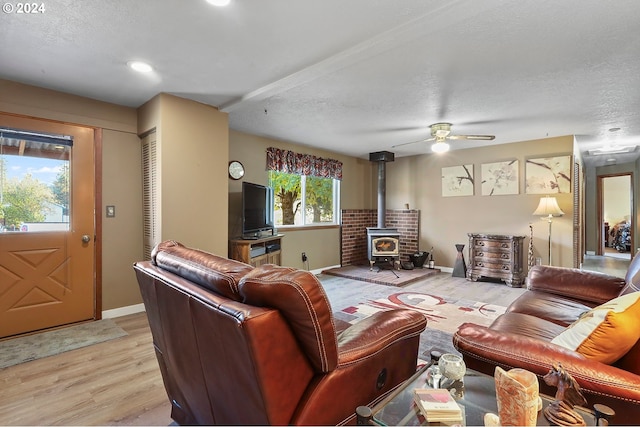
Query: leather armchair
column 238, row 345
column 521, row 337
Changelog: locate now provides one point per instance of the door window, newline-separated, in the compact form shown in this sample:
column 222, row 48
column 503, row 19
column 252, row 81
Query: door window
column 34, row 181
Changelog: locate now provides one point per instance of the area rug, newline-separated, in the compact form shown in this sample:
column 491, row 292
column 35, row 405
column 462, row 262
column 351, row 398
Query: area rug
column 387, row 277
column 37, row 346
column 444, row 314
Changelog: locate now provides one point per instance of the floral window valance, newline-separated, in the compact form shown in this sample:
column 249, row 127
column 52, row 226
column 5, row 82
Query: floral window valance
column 302, row 164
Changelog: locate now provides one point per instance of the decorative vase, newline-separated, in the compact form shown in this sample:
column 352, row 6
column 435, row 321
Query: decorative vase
column 459, row 268
column 517, row 397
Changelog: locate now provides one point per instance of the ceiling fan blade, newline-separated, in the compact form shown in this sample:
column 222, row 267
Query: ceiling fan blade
column 473, row 137
column 413, row 142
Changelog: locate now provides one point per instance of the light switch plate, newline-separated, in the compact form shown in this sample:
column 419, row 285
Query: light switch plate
column 111, row 211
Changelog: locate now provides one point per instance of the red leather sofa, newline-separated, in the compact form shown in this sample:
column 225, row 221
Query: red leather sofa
column 521, row 338
column 244, row 346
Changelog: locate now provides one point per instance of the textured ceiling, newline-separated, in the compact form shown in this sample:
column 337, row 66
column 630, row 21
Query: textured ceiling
column 353, row 76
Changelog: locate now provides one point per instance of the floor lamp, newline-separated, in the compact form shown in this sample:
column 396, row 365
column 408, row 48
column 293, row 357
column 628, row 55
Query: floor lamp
column 547, row 209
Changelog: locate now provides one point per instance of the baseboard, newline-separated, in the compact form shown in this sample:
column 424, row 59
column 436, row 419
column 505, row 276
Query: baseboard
column 123, row 311
column 320, row 270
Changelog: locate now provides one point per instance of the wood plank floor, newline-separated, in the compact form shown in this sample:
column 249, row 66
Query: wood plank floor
column 117, row 382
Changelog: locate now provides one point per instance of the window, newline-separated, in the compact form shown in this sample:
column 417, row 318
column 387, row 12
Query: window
column 34, row 181
column 304, row 200
column 306, row 188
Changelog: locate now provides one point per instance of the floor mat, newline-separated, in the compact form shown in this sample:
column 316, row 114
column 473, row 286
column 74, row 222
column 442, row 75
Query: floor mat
column 31, row 347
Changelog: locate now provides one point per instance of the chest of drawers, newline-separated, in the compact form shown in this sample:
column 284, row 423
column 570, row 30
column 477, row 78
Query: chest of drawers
column 499, row 256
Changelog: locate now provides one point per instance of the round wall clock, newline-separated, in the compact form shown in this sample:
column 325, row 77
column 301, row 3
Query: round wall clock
column 236, row 170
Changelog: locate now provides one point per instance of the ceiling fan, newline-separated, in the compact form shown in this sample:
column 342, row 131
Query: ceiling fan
column 440, row 132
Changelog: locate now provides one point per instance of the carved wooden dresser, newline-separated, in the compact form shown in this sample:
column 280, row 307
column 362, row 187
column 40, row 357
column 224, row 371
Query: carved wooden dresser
column 499, row 256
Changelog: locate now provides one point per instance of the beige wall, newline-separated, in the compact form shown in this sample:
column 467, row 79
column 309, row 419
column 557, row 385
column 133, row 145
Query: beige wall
column 121, row 236
column 193, row 150
column 121, row 183
column 322, row 246
column 445, row 221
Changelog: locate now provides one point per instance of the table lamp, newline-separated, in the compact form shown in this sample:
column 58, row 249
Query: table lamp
column 547, row 209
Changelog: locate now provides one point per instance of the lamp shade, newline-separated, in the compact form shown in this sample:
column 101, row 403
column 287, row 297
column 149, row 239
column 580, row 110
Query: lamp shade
column 548, row 207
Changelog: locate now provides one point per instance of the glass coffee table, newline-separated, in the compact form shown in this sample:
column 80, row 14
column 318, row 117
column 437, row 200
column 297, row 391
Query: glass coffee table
column 477, row 399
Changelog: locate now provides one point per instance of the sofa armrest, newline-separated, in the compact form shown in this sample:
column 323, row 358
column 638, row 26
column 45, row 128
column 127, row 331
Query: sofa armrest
column 377, row 332
column 510, row 350
column 574, row 283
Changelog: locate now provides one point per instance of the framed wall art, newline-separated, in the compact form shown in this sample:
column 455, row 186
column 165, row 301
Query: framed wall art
column 500, row 178
column 457, row 181
column 548, row 175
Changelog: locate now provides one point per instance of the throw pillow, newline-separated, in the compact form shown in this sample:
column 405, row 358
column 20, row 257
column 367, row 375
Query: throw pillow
column 607, row 332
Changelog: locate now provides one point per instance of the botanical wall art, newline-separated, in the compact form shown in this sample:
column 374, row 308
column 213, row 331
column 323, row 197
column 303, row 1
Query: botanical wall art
column 457, row 181
column 500, row 178
column 548, row 175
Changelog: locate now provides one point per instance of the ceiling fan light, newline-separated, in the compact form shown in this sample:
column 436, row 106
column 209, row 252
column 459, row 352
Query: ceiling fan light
column 139, row 66
column 440, row 147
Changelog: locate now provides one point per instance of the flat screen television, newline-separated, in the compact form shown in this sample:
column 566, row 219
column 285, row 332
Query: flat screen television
column 257, row 209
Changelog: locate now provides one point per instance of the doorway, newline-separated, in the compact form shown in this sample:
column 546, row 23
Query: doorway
column 47, row 238
column 615, row 215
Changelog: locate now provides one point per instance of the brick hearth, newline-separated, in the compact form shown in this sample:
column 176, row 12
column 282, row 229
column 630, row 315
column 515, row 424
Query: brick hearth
column 354, row 232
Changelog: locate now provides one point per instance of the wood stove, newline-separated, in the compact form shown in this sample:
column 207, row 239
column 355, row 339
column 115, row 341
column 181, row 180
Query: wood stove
column 383, row 246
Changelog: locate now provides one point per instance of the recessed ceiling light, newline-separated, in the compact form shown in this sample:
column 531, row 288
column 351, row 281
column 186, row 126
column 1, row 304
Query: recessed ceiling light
column 141, row 67
column 219, row 2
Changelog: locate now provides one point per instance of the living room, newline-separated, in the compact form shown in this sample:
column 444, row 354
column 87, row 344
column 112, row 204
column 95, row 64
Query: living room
column 121, row 166
column 200, row 206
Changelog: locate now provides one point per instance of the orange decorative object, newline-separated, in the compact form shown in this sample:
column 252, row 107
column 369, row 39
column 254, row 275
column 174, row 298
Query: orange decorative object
column 517, row 394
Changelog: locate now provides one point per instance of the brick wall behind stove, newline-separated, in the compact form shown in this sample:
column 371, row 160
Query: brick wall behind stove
column 354, row 232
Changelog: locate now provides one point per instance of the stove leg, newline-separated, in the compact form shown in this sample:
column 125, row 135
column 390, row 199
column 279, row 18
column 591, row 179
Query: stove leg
column 371, row 263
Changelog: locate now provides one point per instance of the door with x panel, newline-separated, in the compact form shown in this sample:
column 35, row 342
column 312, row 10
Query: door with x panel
column 47, row 202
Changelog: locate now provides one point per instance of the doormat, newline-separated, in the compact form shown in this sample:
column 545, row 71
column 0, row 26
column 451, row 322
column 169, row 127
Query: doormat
column 31, row 347
column 382, row 276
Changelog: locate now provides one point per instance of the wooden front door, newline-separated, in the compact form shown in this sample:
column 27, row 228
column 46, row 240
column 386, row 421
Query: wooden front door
column 47, row 249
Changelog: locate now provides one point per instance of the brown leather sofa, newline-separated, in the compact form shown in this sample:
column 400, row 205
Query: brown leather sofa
column 244, row 346
column 521, row 337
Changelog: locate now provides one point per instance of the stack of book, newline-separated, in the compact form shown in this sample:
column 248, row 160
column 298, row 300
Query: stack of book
column 437, row 405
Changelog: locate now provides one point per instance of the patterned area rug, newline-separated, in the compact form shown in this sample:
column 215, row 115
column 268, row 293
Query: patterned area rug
column 383, row 276
column 37, row 346
column 444, row 315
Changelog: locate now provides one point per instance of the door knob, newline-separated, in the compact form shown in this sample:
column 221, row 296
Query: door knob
column 86, row 238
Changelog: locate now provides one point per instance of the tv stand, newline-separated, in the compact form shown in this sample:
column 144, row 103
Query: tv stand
column 257, row 251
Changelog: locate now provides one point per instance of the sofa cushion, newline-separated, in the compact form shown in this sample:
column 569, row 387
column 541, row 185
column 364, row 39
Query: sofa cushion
column 607, row 332
column 527, row 325
column 300, row 298
column 555, row 308
column 213, row 272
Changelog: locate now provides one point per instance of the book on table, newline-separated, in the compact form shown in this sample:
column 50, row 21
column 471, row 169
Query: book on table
column 437, row 404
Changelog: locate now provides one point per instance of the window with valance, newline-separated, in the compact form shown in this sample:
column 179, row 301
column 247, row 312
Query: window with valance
column 306, row 188
column 302, row 164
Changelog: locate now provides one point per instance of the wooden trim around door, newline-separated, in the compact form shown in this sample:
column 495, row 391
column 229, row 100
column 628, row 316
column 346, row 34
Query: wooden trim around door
column 98, row 218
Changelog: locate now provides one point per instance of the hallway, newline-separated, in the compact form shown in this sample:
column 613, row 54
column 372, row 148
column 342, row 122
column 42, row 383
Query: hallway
column 606, row 264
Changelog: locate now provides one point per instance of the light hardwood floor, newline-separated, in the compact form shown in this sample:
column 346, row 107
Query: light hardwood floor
column 118, row 382
column 112, row 383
